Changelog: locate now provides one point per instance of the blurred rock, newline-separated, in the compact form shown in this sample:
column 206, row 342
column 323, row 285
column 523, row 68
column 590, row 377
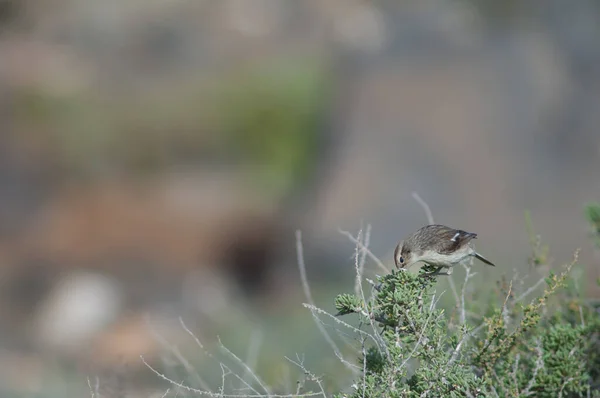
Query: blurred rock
column 179, row 222
column 255, row 19
column 151, row 238
column 80, row 306
column 359, row 25
column 43, row 67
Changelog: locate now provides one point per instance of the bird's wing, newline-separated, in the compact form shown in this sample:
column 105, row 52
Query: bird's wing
column 448, row 240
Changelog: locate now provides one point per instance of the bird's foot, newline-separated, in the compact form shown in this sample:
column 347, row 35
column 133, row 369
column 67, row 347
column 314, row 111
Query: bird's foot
column 438, row 271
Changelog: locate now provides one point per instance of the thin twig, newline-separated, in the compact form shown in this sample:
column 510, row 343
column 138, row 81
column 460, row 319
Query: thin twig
column 359, row 268
column 468, row 275
column 514, row 373
column 495, row 392
column 360, row 263
column 418, row 343
column 224, row 374
column 188, row 331
column 530, row 290
column 166, row 393
column 425, row 207
column 560, row 393
column 505, row 315
column 581, row 316
column 318, row 310
column 253, row 351
column 178, row 355
column 224, row 368
column 312, row 376
column 307, row 292
column 463, row 339
column 360, row 292
column 488, row 342
column 177, row 390
column 314, row 310
column 429, row 216
column 94, row 391
column 247, row 368
column 539, row 364
column 219, row 395
column 364, row 369
column 369, row 253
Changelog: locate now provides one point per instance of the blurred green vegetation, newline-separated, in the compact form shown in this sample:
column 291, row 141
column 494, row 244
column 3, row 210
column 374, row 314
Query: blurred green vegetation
column 544, row 347
column 261, row 119
column 272, row 119
column 592, row 212
column 498, row 13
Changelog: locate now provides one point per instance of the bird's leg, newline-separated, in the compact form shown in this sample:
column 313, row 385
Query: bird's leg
column 448, row 272
column 437, row 271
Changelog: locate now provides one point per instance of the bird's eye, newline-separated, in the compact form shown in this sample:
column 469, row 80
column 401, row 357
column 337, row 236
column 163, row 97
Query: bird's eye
column 401, row 259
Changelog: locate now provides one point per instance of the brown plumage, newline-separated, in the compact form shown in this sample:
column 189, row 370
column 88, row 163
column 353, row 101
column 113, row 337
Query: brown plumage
column 437, row 245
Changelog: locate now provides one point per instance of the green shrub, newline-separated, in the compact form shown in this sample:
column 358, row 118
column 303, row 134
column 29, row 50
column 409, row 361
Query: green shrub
column 521, row 352
column 547, row 347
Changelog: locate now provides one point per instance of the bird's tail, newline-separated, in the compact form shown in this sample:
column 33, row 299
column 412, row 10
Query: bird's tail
column 485, row 260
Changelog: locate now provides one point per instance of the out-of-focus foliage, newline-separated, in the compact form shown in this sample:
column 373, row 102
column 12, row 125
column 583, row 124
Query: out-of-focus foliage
column 592, row 212
column 498, row 13
column 271, row 118
column 265, row 117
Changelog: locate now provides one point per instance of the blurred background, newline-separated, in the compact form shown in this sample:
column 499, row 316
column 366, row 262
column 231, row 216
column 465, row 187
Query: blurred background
column 157, row 157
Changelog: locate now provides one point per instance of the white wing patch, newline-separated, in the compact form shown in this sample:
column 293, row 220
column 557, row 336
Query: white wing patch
column 456, row 235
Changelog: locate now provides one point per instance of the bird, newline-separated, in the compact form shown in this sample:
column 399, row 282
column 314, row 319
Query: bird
column 439, row 246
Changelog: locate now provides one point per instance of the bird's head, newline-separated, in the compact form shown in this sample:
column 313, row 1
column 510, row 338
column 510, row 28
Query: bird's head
column 404, row 256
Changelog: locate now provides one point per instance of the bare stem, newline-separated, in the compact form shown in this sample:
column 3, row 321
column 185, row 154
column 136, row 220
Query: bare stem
column 308, row 294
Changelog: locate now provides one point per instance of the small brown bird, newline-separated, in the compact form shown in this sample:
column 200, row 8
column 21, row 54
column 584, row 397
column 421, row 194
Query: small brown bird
column 437, row 245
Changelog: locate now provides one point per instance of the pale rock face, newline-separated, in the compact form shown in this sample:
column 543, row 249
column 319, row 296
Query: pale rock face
column 79, row 307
